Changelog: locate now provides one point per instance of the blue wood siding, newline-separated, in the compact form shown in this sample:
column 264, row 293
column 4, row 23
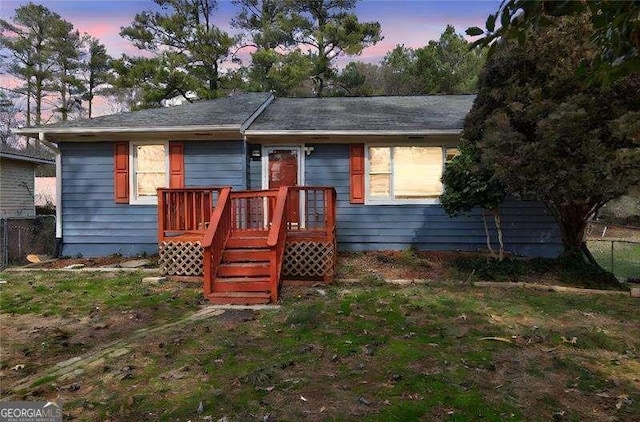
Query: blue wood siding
column 254, row 170
column 529, row 229
column 94, row 225
column 215, row 164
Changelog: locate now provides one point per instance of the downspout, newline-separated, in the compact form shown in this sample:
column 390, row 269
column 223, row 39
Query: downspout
column 58, row 242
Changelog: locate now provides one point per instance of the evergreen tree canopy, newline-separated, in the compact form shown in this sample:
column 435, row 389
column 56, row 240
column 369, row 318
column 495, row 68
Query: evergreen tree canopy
column 449, row 65
column 615, row 34
column 35, row 37
column 547, row 134
column 445, row 66
column 329, row 30
column 189, row 48
column 96, row 70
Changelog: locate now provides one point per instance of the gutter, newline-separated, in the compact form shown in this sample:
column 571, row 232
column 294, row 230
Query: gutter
column 19, row 157
column 426, row 132
column 92, row 130
column 50, row 145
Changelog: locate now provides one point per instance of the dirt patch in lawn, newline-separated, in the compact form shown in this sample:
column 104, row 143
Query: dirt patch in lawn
column 390, row 265
column 39, row 342
column 49, row 317
column 460, row 267
column 535, row 375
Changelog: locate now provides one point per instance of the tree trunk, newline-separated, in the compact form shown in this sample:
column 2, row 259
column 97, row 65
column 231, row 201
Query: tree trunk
column 213, row 79
column 38, row 98
column 497, row 220
column 487, row 234
column 29, row 102
column 63, row 98
column 573, row 220
column 319, row 87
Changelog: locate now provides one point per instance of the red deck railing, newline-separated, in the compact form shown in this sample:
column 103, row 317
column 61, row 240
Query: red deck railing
column 317, row 211
column 185, row 211
column 252, row 211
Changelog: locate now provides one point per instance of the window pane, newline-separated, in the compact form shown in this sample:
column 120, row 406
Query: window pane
column 147, row 183
column 417, row 172
column 380, row 160
column 150, row 169
column 150, row 158
column 379, row 185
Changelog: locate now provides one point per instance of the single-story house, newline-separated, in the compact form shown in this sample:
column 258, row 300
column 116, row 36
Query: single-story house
column 17, row 182
column 382, row 156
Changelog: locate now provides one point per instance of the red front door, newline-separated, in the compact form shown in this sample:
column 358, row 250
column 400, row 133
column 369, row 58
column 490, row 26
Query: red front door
column 283, row 171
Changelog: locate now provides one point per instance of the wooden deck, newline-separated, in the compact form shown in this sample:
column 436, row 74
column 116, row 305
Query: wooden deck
column 244, row 242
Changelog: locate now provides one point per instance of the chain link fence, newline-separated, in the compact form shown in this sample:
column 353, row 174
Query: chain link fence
column 621, row 257
column 22, row 236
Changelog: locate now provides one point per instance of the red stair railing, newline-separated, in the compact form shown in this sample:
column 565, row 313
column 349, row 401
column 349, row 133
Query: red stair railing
column 277, row 239
column 215, row 238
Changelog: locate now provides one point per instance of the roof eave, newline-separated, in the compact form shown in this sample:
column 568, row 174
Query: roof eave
column 98, row 130
column 423, row 132
column 19, row 157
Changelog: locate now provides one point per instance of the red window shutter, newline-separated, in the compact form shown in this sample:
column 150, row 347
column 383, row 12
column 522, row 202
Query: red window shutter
column 176, row 165
column 356, row 174
column 121, row 172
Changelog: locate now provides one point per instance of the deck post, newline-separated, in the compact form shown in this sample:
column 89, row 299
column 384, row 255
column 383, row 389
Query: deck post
column 161, row 215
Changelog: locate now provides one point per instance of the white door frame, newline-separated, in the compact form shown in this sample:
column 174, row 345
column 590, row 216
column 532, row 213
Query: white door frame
column 266, row 149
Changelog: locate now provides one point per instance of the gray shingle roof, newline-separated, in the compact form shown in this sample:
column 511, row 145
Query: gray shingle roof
column 339, row 114
column 43, row 156
column 436, row 112
column 229, row 112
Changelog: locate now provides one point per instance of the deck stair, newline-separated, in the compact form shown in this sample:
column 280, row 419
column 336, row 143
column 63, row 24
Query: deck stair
column 241, row 238
column 244, row 247
column 244, row 273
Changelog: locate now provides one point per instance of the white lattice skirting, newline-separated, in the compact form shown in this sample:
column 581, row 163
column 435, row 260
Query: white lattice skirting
column 309, row 259
column 181, row 258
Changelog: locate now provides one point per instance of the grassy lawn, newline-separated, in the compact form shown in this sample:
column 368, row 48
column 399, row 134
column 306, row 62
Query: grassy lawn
column 360, row 351
column 626, row 257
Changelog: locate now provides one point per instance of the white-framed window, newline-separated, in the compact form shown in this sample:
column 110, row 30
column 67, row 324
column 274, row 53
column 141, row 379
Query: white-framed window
column 405, row 174
column 149, row 164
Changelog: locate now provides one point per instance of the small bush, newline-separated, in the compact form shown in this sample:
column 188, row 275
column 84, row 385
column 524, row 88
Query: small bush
column 570, row 269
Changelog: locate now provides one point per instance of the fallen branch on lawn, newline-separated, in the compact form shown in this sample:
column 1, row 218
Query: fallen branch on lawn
column 547, row 287
column 501, row 339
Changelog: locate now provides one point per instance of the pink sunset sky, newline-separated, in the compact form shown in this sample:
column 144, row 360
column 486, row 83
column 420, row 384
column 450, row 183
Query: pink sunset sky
column 409, row 22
